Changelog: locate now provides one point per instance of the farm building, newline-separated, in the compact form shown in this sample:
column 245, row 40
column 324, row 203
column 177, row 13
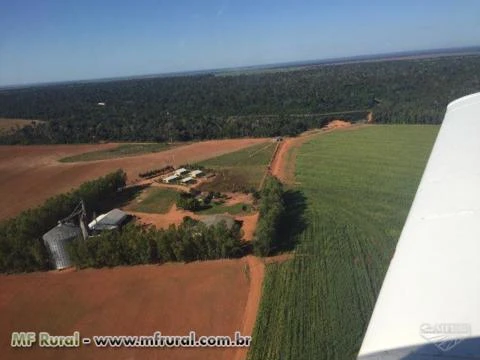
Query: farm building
column 213, row 220
column 195, row 173
column 112, row 220
column 187, row 180
column 57, row 239
column 180, row 171
column 171, row 178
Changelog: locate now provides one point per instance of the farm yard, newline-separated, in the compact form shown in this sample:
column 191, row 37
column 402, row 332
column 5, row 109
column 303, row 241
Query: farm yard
column 241, row 170
column 31, row 174
column 358, row 186
column 157, row 204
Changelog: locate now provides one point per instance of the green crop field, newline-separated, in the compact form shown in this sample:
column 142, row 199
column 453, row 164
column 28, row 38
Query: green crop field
column 154, row 200
column 122, row 150
column 239, row 170
column 358, row 186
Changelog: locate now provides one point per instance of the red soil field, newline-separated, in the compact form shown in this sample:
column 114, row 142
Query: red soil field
column 31, row 174
column 211, row 298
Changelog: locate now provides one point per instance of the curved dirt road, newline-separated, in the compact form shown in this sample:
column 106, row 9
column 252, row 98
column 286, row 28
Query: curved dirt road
column 256, row 273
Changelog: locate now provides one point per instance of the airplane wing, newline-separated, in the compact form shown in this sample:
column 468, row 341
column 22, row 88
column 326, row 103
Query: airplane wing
column 429, row 303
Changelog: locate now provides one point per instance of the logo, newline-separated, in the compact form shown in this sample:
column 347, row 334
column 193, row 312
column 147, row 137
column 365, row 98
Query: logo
column 445, row 336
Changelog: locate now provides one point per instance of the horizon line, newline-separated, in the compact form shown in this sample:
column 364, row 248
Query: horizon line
column 392, row 56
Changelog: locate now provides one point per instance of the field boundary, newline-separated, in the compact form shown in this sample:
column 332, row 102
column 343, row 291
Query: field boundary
column 269, row 168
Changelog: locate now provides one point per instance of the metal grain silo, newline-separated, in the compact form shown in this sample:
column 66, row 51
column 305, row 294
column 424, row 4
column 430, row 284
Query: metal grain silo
column 57, row 240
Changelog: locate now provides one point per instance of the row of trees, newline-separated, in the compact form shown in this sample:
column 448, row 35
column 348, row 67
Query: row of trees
column 271, row 212
column 256, row 104
column 21, row 247
column 134, row 244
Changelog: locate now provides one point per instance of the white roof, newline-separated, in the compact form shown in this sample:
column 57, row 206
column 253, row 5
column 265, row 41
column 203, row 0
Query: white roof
column 171, row 177
column 187, row 179
column 431, row 292
column 92, row 223
column 111, row 220
column 180, row 171
column 195, row 172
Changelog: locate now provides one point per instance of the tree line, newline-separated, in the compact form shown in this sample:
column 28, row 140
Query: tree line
column 210, row 106
column 134, row 244
column 21, row 245
column 271, row 212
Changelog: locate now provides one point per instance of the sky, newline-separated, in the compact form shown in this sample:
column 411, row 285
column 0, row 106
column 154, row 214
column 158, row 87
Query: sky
column 61, row 40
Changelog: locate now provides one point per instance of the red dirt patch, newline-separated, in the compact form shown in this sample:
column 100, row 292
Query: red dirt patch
column 31, row 174
column 163, row 221
column 211, row 298
column 249, row 225
column 370, row 118
column 335, row 124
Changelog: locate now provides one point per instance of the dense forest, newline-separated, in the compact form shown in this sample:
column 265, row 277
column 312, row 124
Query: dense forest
column 270, row 103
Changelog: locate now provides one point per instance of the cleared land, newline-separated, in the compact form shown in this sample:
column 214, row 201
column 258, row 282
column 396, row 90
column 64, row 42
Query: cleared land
column 163, row 221
column 123, row 150
column 8, row 125
column 31, row 174
column 208, row 297
column 154, row 200
column 358, row 186
column 239, row 170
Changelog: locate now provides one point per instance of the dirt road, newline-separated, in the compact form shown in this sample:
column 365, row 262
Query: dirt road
column 283, row 164
column 256, row 274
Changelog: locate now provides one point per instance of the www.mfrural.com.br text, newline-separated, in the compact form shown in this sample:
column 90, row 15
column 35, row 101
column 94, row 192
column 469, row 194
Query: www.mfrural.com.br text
column 155, row 340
